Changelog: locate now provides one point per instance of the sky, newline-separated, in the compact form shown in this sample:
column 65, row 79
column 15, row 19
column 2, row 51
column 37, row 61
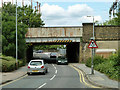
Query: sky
column 71, row 12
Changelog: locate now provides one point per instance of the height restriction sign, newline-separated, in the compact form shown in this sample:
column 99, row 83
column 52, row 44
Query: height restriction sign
column 92, row 44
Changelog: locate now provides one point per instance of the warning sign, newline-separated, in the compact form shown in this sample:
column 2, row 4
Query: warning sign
column 92, row 44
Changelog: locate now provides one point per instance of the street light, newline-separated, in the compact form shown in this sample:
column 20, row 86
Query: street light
column 93, row 38
column 16, row 36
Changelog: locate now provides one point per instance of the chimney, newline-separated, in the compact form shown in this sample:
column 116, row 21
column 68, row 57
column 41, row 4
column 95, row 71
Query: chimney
column 12, row 1
column 39, row 7
column 31, row 3
column 22, row 2
column 2, row 3
column 35, row 8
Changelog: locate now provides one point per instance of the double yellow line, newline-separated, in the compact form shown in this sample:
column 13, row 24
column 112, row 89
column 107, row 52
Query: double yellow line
column 82, row 79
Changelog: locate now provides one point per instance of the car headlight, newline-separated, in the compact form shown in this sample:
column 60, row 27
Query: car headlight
column 59, row 61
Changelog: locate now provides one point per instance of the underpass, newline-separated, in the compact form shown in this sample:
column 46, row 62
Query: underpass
column 69, row 36
column 72, row 52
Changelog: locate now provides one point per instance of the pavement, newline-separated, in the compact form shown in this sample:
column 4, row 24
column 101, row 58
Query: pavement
column 98, row 79
column 10, row 76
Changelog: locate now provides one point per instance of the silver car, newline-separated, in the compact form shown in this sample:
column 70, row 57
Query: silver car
column 37, row 66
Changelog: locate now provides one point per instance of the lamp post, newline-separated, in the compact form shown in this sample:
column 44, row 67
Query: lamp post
column 93, row 38
column 16, row 36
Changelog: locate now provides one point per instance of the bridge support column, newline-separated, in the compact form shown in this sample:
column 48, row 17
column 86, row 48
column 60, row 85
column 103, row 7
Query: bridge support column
column 29, row 53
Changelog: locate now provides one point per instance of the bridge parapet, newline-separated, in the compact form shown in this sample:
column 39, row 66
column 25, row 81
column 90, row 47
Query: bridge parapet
column 55, row 32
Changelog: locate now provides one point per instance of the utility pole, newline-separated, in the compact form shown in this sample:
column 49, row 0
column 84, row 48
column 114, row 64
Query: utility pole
column 16, row 38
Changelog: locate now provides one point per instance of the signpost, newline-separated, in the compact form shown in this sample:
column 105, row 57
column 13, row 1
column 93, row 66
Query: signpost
column 92, row 45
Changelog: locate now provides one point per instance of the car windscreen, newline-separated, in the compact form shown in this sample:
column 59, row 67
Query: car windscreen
column 53, row 54
column 36, row 63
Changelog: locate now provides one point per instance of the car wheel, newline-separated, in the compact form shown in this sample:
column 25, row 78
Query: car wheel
column 44, row 73
column 46, row 70
column 28, row 73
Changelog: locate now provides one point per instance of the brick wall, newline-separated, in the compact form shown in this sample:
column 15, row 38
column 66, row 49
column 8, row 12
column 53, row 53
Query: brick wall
column 101, row 32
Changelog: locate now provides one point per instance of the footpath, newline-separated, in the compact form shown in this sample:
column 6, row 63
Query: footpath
column 10, row 76
column 98, row 79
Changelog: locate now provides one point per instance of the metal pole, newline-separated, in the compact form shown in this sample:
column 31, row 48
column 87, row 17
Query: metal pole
column 16, row 33
column 92, row 66
column 93, row 27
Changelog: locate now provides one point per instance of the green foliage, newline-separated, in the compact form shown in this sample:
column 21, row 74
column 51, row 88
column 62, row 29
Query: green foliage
column 113, row 21
column 9, row 63
column 47, row 47
column 110, row 66
column 97, row 60
column 26, row 18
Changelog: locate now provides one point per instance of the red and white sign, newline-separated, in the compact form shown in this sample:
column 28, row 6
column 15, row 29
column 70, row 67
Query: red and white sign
column 92, row 44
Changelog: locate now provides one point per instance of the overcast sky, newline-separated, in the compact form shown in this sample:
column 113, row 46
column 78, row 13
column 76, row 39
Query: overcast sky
column 71, row 12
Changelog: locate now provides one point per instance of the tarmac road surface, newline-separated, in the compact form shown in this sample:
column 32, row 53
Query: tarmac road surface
column 59, row 76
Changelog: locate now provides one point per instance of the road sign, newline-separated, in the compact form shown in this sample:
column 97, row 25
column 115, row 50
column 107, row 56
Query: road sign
column 92, row 44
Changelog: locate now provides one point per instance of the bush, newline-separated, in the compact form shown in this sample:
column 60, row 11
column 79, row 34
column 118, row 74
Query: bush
column 110, row 66
column 107, row 67
column 9, row 63
column 97, row 60
column 88, row 62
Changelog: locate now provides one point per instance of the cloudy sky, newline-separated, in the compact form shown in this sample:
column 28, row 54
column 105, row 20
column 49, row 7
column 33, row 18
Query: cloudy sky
column 71, row 12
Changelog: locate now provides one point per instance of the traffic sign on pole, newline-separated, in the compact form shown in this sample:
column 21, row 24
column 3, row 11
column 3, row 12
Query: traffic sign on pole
column 92, row 44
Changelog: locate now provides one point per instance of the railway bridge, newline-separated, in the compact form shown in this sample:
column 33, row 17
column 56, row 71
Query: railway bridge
column 76, row 39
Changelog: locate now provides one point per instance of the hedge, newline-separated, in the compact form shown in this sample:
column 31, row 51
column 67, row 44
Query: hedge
column 9, row 64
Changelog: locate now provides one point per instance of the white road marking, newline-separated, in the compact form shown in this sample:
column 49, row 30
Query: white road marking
column 56, row 71
column 53, row 77
column 55, row 68
column 53, row 65
column 42, row 85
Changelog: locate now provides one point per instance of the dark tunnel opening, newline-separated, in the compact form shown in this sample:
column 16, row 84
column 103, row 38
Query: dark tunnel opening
column 72, row 51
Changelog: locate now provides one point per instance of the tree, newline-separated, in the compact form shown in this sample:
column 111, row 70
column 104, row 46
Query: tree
column 9, row 32
column 29, row 17
column 114, row 21
column 48, row 47
column 26, row 18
